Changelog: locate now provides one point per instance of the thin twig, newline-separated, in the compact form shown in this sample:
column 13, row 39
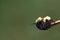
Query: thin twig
column 55, row 23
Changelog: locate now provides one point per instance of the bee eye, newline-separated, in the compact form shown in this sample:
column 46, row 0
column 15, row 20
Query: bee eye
column 38, row 19
column 46, row 18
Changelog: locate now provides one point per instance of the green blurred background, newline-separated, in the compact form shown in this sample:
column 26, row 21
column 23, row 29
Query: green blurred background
column 17, row 16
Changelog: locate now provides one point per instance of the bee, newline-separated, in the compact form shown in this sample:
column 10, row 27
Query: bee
column 43, row 23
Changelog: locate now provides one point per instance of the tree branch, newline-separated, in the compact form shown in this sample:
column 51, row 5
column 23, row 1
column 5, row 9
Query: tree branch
column 55, row 23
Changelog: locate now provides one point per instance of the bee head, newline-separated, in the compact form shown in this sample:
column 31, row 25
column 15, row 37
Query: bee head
column 47, row 18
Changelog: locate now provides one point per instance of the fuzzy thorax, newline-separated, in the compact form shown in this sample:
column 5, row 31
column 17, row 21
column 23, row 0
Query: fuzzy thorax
column 38, row 19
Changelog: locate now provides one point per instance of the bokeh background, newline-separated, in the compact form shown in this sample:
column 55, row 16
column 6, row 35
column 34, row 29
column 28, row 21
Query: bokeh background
column 17, row 16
